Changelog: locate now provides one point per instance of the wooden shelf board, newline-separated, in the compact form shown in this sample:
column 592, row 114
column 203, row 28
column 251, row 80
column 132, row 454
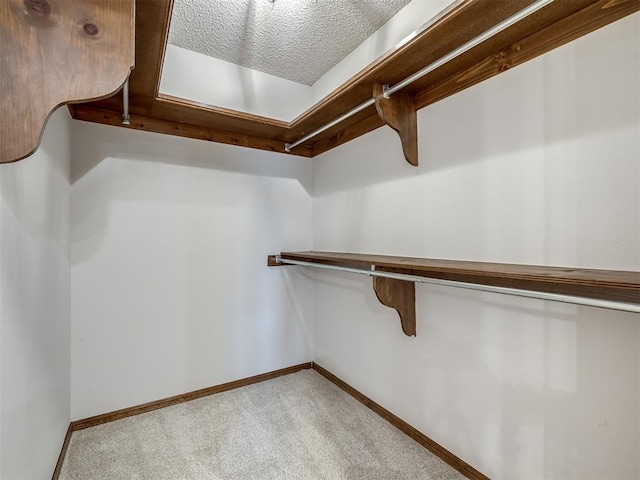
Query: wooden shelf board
column 615, row 285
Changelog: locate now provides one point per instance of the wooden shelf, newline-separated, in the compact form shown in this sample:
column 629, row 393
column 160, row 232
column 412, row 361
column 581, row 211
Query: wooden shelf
column 614, row 285
column 548, row 28
column 532, row 280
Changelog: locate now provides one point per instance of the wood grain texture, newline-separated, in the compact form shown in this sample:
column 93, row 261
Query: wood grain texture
column 185, row 397
column 63, row 453
column 54, row 52
column 615, row 285
column 399, row 112
column 401, row 296
column 435, row 448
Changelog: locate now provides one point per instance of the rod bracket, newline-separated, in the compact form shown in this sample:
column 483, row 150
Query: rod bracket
column 287, row 147
column 55, row 53
column 385, row 90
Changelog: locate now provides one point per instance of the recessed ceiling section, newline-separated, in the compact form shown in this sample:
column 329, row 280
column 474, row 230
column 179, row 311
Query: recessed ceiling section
column 298, row 40
column 215, row 82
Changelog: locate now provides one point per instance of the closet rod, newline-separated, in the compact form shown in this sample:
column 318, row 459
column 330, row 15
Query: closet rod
column 388, row 91
column 534, row 7
column 590, row 302
column 353, row 111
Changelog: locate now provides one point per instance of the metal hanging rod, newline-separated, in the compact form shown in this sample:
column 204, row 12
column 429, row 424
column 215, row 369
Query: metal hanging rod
column 126, row 119
column 512, row 20
column 555, row 297
column 388, row 90
column 353, row 111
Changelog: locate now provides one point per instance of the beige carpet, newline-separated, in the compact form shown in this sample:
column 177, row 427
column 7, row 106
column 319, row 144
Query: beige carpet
column 299, row 427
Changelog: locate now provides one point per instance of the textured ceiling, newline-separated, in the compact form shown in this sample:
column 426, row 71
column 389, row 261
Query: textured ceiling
column 299, row 40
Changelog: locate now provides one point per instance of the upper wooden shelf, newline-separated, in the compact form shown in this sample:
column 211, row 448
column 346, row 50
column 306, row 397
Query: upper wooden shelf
column 614, row 285
column 554, row 25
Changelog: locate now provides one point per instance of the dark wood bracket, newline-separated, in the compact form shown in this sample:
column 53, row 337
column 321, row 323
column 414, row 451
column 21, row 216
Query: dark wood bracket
column 401, row 295
column 54, row 52
column 399, row 112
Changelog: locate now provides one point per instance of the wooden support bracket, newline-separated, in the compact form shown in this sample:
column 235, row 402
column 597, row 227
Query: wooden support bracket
column 54, row 52
column 401, row 295
column 398, row 111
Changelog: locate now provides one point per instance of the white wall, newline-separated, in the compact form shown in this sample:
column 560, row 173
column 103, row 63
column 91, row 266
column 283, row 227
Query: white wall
column 35, row 306
column 211, row 81
column 538, row 165
column 170, row 287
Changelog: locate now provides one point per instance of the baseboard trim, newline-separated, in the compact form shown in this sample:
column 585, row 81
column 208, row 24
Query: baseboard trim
column 63, row 452
column 435, row 448
column 185, row 397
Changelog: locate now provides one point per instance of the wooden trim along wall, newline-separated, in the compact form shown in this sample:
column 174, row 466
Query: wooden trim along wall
column 185, row 397
column 438, row 450
column 435, row 448
column 167, row 402
column 63, row 453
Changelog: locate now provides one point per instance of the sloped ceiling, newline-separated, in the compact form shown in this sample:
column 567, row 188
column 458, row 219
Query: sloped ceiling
column 299, row 40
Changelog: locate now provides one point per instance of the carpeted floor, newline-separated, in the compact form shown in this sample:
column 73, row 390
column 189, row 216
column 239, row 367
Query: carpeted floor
column 296, row 427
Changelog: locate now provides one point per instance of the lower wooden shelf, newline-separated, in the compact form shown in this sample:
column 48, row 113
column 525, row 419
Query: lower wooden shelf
column 603, row 288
